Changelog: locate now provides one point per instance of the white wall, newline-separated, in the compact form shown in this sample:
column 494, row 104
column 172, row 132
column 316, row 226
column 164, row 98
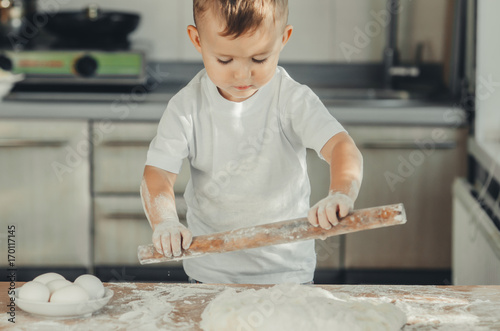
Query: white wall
column 321, row 26
column 488, row 72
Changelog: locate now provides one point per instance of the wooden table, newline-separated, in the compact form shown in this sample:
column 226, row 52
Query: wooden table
column 168, row 306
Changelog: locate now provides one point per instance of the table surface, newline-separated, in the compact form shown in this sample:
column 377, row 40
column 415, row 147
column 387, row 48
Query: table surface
column 170, row 306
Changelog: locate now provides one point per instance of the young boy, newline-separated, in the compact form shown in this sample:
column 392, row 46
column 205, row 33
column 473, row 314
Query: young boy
column 244, row 126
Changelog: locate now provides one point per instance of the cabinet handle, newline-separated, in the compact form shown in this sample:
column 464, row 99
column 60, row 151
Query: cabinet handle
column 406, row 145
column 126, row 216
column 19, row 143
column 134, row 216
column 125, row 143
column 179, row 201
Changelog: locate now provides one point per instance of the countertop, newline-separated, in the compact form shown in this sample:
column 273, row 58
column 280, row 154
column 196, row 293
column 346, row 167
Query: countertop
column 363, row 104
column 168, row 306
column 125, row 108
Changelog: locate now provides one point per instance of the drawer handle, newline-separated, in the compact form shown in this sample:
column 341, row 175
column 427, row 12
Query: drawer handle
column 20, row 143
column 179, row 201
column 125, row 143
column 407, row 145
column 136, row 216
column 126, row 216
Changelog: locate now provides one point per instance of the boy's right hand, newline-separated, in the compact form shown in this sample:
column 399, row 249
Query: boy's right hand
column 168, row 237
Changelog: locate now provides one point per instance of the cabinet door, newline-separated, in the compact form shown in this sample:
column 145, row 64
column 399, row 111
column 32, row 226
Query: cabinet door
column 415, row 166
column 120, row 154
column 121, row 226
column 476, row 240
column 44, row 191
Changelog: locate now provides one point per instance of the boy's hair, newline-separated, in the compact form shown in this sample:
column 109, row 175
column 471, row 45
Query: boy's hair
column 242, row 16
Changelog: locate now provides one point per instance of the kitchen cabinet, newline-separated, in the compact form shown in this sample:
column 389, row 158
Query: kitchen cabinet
column 120, row 224
column 415, row 166
column 120, row 154
column 91, row 204
column 44, row 192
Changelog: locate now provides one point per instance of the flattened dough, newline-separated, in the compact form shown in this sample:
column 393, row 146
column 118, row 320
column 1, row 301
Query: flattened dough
column 297, row 307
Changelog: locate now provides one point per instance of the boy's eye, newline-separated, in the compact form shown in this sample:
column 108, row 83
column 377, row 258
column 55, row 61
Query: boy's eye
column 224, row 62
column 259, row 61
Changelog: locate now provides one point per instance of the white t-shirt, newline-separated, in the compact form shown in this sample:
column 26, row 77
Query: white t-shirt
column 248, row 167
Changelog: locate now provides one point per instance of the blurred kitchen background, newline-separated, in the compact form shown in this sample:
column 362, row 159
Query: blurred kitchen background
column 416, row 84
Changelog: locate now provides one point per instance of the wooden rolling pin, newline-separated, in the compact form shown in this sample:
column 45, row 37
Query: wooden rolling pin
column 279, row 233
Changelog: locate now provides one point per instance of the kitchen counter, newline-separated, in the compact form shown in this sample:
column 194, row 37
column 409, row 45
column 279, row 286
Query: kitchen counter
column 359, row 101
column 150, row 108
column 168, row 306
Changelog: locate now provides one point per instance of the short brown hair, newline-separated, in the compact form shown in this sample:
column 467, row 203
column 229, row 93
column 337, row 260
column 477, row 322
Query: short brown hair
column 242, row 16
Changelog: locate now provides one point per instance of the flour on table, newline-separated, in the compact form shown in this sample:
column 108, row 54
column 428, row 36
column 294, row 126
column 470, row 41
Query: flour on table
column 297, row 307
column 124, row 284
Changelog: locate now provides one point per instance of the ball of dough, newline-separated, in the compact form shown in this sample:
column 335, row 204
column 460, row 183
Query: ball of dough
column 47, row 277
column 92, row 285
column 69, row 294
column 297, row 307
column 34, row 291
column 56, row 284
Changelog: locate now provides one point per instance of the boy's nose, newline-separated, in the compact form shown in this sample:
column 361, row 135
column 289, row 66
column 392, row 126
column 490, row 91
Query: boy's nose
column 242, row 73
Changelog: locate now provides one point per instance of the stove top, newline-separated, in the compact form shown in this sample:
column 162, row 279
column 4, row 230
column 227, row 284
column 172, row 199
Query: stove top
column 75, row 67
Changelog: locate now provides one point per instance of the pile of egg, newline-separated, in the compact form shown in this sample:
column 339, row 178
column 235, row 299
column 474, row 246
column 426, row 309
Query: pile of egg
column 52, row 287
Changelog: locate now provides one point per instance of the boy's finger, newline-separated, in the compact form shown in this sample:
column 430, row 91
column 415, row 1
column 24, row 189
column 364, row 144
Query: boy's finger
column 157, row 244
column 322, row 218
column 165, row 242
column 343, row 210
column 187, row 238
column 312, row 216
column 331, row 212
column 175, row 241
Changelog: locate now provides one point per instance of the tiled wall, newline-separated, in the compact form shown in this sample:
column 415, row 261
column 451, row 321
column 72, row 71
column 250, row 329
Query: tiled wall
column 322, row 27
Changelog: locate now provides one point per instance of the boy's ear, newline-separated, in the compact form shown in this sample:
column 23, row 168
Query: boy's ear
column 194, row 36
column 286, row 35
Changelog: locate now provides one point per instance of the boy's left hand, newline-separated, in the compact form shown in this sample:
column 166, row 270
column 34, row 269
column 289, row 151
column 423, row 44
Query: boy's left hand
column 326, row 212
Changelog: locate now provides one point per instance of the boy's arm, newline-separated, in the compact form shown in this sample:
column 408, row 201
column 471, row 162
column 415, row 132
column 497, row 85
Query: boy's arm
column 346, row 173
column 158, row 198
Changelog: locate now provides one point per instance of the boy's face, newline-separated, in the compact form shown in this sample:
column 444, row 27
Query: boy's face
column 239, row 67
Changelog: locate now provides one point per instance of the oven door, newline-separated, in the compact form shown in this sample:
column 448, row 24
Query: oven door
column 476, row 237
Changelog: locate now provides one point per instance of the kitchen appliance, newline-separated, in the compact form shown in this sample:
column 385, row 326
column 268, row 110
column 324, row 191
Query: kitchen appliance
column 279, row 233
column 80, row 51
column 92, row 28
column 49, row 69
column 476, row 236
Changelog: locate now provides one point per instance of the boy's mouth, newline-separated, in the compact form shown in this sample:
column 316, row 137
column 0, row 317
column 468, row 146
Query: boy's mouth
column 242, row 88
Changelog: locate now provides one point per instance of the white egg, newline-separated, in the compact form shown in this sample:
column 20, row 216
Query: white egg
column 92, row 285
column 34, row 291
column 56, row 284
column 47, row 277
column 69, row 294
